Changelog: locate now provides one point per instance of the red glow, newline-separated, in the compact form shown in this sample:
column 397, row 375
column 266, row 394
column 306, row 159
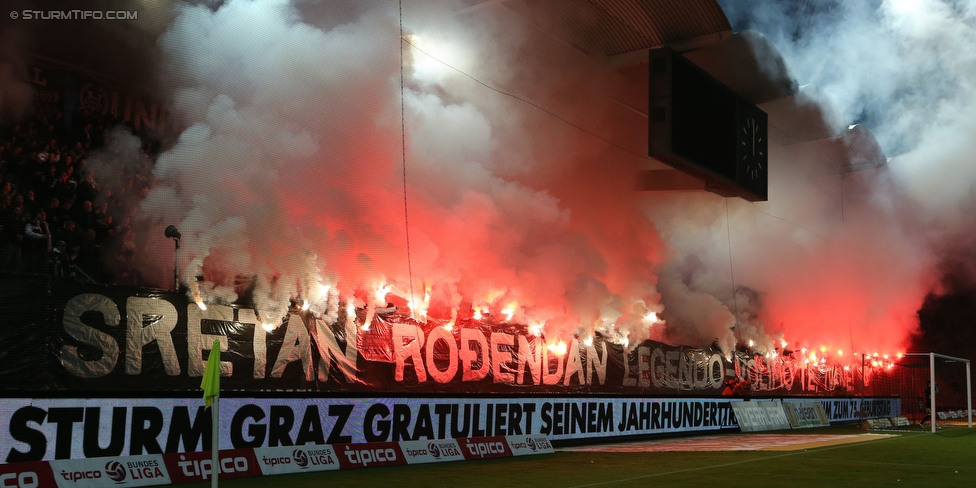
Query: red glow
column 509, row 211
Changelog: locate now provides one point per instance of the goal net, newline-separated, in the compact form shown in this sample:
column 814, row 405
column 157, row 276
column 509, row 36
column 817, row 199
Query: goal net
column 934, row 388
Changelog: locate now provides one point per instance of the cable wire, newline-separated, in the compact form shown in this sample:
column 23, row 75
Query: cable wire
column 798, row 226
column 403, row 158
column 523, row 100
column 735, row 303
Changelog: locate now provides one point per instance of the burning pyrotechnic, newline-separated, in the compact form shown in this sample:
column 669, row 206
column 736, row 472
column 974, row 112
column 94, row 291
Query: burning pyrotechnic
column 535, row 329
column 510, row 311
column 557, row 348
column 293, row 195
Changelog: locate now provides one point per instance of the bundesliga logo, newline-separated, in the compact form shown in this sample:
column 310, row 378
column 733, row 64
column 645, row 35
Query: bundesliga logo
column 115, row 471
column 300, row 458
column 530, row 442
column 434, row 450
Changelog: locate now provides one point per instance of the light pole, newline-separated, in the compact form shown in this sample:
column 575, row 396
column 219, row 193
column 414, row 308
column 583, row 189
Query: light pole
column 171, row 232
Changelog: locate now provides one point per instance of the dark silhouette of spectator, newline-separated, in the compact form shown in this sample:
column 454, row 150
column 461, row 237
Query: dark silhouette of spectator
column 104, row 229
column 70, row 234
column 7, row 190
column 39, row 161
column 122, row 269
column 18, row 202
column 12, row 239
column 37, row 243
column 60, row 260
column 88, row 257
column 29, row 199
column 84, row 214
column 63, row 188
column 53, row 212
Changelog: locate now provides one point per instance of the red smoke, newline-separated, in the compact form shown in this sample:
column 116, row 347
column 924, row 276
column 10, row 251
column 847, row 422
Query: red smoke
column 295, row 170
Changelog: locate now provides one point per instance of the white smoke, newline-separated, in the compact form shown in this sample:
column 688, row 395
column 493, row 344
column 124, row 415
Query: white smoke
column 291, row 174
column 291, row 170
column 844, row 260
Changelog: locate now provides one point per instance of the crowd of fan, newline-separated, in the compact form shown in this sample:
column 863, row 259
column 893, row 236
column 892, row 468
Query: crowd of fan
column 60, row 216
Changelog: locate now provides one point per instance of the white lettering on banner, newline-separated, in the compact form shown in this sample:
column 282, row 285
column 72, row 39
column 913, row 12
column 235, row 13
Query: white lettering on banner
column 366, row 456
column 760, row 416
column 574, row 365
column 197, row 341
column 296, row 346
column 685, row 370
column 155, row 320
column 330, row 352
column 596, row 363
column 469, row 357
column 203, row 467
column 482, row 449
column 25, row 479
column 767, row 374
column 501, row 358
column 59, row 429
column 529, row 357
column 442, row 335
column 70, row 358
column 171, row 427
column 551, row 377
column 162, row 318
column 855, row 409
column 407, row 343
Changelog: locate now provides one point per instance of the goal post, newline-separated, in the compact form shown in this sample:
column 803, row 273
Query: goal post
column 932, row 385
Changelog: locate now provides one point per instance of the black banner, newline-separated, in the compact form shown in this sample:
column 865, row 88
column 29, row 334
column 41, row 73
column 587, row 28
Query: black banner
column 65, row 336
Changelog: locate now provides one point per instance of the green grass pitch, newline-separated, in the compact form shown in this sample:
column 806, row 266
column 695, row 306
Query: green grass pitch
column 910, row 459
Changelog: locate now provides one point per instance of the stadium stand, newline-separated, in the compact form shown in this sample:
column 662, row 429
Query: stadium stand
column 60, row 216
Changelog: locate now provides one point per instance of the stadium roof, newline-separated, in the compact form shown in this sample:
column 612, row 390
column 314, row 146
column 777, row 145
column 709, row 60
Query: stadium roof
column 616, row 29
column 615, row 33
column 619, row 34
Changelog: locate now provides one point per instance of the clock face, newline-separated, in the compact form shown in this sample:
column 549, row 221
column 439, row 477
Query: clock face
column 752, row 151
column 752, row 148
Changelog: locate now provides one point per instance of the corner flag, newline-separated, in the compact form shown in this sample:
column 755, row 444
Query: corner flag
column 211, row 375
